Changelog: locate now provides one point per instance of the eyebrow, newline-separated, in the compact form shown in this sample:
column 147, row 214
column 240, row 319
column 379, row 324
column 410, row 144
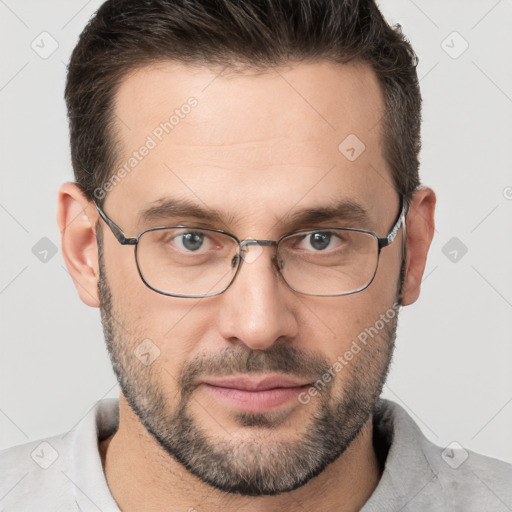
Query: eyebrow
column 163, row 209
column 343, row 211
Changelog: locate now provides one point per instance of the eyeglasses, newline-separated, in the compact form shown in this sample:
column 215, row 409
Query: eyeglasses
column 196, row 262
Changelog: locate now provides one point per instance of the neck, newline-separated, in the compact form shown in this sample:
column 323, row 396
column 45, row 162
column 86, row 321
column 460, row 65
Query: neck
column 142, row 476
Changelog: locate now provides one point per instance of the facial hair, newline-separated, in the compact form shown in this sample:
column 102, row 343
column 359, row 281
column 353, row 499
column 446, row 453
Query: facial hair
column 258, row 465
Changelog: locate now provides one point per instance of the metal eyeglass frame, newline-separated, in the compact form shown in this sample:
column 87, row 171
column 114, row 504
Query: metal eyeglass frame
column 381, row 243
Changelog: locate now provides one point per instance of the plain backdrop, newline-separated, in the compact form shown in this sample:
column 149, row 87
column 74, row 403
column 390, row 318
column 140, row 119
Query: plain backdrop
column 452, row 366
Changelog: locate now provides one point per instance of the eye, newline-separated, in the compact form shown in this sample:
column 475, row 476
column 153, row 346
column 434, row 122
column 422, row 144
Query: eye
column 320, row 241
column 190, row 241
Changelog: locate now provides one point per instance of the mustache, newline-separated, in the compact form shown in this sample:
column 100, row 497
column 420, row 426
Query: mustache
column 283, row 359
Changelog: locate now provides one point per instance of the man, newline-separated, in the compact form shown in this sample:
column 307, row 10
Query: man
column 262, row 160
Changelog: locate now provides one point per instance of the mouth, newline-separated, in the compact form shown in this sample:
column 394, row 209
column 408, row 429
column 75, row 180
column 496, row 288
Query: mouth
column 255, row 395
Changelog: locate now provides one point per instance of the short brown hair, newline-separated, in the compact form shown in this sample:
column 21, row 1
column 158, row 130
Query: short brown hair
column 126, row 34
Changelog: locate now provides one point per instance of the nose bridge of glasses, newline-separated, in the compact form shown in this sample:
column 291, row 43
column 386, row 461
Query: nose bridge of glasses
column 251, row 241
column 251, row 256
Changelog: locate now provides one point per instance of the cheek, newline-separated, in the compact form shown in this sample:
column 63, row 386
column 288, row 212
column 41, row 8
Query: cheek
column 331, row 326
column 175, row 325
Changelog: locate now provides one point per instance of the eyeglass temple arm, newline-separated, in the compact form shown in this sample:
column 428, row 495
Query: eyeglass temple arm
column 400, row 220
column 123, row 240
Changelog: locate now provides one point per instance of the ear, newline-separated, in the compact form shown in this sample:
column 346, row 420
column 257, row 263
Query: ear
column 420, row 231
column 77, row 217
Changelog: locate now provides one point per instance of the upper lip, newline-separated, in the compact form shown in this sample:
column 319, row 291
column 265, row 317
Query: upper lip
column 260, row 384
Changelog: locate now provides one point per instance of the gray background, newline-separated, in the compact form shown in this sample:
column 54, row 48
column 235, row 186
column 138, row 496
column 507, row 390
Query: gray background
column 452, row 368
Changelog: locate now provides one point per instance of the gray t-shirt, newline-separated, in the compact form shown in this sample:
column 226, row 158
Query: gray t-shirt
column 64, row 473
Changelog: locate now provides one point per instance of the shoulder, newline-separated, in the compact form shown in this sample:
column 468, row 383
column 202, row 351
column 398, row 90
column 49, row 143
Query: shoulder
column 470, row 480
column 35, row 474
column 58, row 472
column 423, row 474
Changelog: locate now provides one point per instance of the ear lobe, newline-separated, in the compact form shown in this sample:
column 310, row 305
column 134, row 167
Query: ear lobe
column 420, row 231
column 77, row 217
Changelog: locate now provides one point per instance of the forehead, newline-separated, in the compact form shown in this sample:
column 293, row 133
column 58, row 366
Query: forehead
column 251, row 141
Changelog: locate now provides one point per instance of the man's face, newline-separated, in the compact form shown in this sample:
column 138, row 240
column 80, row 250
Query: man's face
column 257, row 148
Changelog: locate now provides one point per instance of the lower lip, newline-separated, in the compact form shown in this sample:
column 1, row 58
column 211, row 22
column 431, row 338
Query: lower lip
column 256, row 401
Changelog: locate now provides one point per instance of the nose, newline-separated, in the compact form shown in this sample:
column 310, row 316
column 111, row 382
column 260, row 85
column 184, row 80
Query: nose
column 257, row 309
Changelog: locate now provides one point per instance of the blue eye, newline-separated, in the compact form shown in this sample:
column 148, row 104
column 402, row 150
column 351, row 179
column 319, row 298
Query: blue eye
column 320, row 241
column 191, row 241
